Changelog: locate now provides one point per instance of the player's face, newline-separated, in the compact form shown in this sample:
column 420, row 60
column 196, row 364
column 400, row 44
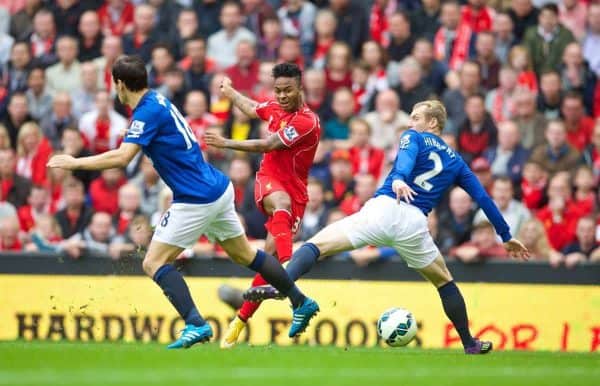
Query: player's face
column 418, row 120
column 288, row 93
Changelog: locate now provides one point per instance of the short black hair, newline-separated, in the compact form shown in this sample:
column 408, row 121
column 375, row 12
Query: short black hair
column 287, row 70
column 131, row 70
column 550, row 7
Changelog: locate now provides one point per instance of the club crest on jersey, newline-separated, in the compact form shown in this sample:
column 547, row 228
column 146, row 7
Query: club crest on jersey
column 404, row 142
column 290, row 133
column 136, row 129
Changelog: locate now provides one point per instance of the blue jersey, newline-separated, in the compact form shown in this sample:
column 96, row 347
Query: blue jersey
column 429, row 166
column 166, row 138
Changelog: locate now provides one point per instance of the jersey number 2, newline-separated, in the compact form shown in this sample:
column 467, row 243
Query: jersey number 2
column 422, row 179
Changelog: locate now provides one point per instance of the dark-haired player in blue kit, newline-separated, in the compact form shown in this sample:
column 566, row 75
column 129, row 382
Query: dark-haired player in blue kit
column 202, row 201
column 424, row 169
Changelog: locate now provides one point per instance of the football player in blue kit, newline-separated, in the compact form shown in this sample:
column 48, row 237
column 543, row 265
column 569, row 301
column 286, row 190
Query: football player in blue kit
column 203, row 201
column 424, row 169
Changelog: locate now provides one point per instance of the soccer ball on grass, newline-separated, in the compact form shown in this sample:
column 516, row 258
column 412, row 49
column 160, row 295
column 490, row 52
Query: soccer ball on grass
column 397, row 327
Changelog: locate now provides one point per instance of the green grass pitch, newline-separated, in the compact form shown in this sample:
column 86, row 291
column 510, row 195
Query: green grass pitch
column 82, row 364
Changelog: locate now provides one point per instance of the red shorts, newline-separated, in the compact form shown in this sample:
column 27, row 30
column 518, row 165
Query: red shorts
column 265, row 185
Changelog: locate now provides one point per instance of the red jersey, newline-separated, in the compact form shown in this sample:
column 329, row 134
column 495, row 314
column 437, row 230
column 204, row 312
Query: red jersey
column 300, row 131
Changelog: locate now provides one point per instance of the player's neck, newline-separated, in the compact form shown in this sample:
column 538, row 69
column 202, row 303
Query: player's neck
column 133, row 99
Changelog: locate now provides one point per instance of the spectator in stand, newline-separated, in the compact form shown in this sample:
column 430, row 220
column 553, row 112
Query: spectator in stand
column 352, row 24
column 341, row 181
column 220, row 106
column 14, row 74
column 9, row 234
column 520, row 60
column 483, row 171
column 174, row 87
column 98, row 235
column 573, row 16
column 532, row 123
column 271, row 38
column 21, row 22
column 241, row 127
column 374, row 56
column 144, row 35
column 241, row 174
column 577, row 76
column 482, row 246
column 584, row 184
column 316, row 213
column 166, row 16
column 102, row 127
column 197, row 115
column 456, row 222
column 591, row 41
column 255, row 11
column 14, row 188
column 477, row 15
column 208, row 12
column 505, row 38
column 33, row 151
column 297, row 19
column 263, row 90
column 76, row 214
column 196, row 66
column 130, row 199
column 386, row 120
column 365, row 158
column 290, row 51
column 513, row 211
column 579, row 126
column 533, row 185
column 509, row 156
column 43, row 37
column 454, row 42
column 222, row 44
column 400, row 42
column 39, row 101
column 524, row 15
column 162, row 60
column 338, row 66
column 478, row 131
column 489, row 64
column 337, row 128
column 591, row 155
column 433, row 71
column 135, row 241
column 62, row 117
column 186, row 28
column 585, row 245
column 244, row 74
column 6, row 43
column 547, row 41
column 90, row 36
column 116, row 17
column 550, row 97
column 66, row 74
column 72, row 144
column 379, row 19
column 46, row 237
column 4, row 138
column 365, row 186
column 325, row 25
column 112, row 48
column 411, row 89
column 425, row 21
column 556, row 154
column 104, row 191
column 500, row 101
column 316, row 94
column 17, row 115
column 38, row 204
column 360, row 77
column 533, row 235
column 454, row 100
column 84, row 98
column 150, row 185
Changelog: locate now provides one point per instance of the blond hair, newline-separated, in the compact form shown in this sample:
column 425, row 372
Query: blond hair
column 26, row 129
column 434, row 109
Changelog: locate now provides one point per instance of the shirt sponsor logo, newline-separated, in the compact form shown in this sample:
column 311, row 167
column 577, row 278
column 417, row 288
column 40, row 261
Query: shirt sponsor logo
column 136, row 129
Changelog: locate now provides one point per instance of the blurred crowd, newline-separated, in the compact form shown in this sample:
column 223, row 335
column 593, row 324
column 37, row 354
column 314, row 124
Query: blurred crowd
column 518, row 78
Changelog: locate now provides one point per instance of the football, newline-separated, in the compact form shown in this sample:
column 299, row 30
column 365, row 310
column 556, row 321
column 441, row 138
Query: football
column 397, row 327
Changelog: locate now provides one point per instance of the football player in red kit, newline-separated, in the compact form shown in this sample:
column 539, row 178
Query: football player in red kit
column 280, row 188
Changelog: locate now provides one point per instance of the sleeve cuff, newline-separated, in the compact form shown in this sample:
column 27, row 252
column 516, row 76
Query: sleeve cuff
column 506, row 236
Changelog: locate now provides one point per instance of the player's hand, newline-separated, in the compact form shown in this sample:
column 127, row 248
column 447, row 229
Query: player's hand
column 214, row 139
column 516, row 249
column 225, row 86
column 403, row 191
column 63, row 161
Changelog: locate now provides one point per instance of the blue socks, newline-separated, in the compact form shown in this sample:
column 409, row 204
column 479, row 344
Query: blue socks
column 455, row 309
column 303, row 260
column 178, row 293
column 272, row 271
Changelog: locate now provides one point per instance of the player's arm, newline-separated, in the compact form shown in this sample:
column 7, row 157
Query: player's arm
column 117, row 158
column 403, row 166
column 247, row 105
column 469, row 182
column 272, row 142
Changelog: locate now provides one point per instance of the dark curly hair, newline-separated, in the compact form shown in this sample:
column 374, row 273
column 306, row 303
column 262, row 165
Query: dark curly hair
column 287, row 70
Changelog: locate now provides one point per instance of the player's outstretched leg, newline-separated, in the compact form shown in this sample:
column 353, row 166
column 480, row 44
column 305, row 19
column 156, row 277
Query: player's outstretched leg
column 454, row 305
column 304, row 308
column 156, row 265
